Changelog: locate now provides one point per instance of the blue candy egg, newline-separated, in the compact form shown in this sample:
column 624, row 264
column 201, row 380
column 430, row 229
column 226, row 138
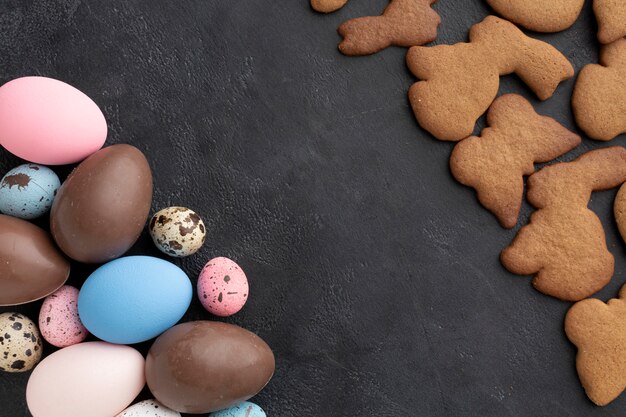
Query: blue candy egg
column 244, row 409
column 133, row 299
column 28, row 191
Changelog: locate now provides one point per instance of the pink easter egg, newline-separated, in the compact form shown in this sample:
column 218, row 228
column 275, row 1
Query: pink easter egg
column 58, row 319
column 49, row 122
column 222, row 287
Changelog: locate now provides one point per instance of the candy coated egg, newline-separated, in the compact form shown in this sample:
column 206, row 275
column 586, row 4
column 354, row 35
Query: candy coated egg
column 32, row 267
column 133, row 299
column 102, row 207
column 49, row 122
column 20, row 343
column 244, row 409
column 94, row 379
column 204, row 366
column 58, row 318
column 222, row 287
column 28, row 191
column 148, row 408
column 177, row 231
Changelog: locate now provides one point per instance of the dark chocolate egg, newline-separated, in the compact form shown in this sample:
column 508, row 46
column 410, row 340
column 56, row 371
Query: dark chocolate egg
column 31, row 267
column 103, row 205
column 204, row 366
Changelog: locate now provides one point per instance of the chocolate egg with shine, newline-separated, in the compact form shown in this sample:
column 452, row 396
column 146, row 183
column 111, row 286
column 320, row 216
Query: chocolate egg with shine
column 203, row 366
column 102, row 207
column 32, row 267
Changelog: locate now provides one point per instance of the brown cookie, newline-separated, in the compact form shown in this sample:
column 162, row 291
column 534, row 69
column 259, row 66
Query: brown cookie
column 495, row 162
column 564, row 244
column 460, row 81
column 403, row 23
column 611, row 16
column 327, row 6
column 599, row 99
column 599, row 332
column 539, row 15
column 619, row 209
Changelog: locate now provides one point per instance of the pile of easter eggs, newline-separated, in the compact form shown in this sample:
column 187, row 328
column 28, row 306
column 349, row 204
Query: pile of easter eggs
column 96, row 215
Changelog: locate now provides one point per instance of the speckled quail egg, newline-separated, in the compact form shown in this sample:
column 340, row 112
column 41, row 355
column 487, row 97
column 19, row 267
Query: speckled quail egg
column 244, row 409
column 148, row 408
column 20, row 343
column 28, row 191
column 177, row 231
column 58, row 318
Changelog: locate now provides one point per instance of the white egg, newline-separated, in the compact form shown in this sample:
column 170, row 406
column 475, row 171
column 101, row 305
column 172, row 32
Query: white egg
column 148, row 408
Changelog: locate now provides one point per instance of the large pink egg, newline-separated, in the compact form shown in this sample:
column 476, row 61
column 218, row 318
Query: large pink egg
column 58, row 319
column 222, row 287
column 93, row 379
column 49, row 122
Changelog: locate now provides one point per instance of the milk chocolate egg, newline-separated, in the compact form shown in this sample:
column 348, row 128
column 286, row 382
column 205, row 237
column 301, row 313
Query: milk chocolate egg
column 102, row 207
column 31, row 266
column 203, row 366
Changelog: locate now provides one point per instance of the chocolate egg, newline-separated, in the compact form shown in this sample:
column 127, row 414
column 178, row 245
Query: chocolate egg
column 102, row 207
column 32, row 267
column 203, row 366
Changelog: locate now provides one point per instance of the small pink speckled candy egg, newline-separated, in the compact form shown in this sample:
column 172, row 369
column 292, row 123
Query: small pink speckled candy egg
column 222, row 287
column 58, row 319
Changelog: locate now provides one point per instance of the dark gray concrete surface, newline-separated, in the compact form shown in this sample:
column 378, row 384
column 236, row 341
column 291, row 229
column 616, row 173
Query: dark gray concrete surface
column 374, row 275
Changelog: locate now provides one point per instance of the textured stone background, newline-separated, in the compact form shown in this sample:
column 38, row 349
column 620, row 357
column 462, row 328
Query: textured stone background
column 374, row 275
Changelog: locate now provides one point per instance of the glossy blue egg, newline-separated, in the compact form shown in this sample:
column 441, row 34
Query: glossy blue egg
column 133, row 299
column 28, row 191
column 244, row 409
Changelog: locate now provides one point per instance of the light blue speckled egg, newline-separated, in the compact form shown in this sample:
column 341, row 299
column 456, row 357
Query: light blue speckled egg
column 245, row 409
column 28, row 191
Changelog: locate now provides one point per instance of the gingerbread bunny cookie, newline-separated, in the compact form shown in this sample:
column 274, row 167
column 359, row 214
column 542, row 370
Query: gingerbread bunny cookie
column 496, row 162
column 564, row 244
column 619, row 211
column 599, row 99
column 539, row 15
column 611, row 16
column 403, row 23
column 460, row 81
column 599, row 332
column 327, row 6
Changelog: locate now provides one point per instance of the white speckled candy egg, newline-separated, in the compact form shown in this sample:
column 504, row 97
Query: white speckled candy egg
column 20, row 343
column 177, row 231
column 58, row 318
column 244, row 409
column 148, row 408
column 222, row 287
column 28, row 191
